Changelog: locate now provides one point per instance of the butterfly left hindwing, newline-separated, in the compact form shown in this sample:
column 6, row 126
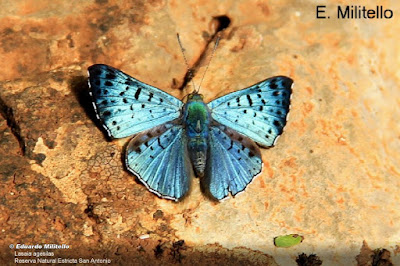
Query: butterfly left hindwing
column 158, row 157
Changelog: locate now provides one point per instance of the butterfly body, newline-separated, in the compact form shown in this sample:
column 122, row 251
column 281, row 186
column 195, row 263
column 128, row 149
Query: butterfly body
column 217, row 141
column 196, row 119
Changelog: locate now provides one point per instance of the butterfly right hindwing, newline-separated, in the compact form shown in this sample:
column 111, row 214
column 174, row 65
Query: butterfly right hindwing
column 232, row 163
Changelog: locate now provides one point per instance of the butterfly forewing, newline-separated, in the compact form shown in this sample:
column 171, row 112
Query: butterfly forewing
column 127, row 106
column 158, row 157
column 258, row 111
column 232, row 163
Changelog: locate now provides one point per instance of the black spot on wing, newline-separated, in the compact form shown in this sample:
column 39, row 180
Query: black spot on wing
column 110, row 76
column 249, row 99
column 108, row 83
column 230, row 147
column 159, row 143
column 273, row 84
column 150, row 96
column 286, row 82
column 138, row 93
column 129, row 82
column 238, row 101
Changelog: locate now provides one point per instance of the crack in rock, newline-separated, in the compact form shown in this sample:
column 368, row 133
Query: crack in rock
column 8, row 115
column 222, row 22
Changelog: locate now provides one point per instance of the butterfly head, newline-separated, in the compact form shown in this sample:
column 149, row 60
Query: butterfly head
column 195, row 97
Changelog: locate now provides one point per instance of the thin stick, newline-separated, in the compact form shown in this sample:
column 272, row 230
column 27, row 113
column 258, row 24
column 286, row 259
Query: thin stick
column 186, row 62
column 213, row 51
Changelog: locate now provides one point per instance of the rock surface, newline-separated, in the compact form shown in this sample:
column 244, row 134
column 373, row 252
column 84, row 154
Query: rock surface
column 333, row 177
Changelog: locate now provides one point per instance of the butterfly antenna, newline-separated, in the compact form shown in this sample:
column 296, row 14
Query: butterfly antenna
column 190, row 72
column 209, row 61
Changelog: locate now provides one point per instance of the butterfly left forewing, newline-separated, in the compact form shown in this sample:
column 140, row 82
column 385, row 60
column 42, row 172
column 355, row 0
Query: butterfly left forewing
column 127, row 106
column 232, row 163
column 259, row 111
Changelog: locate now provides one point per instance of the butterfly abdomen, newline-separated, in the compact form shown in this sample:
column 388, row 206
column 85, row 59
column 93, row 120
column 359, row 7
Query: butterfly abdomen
column 197, row 119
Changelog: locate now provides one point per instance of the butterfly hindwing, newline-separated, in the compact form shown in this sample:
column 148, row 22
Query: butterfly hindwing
column 233, row 161
column 127, row 106
column 258, row 111
column 158, row 157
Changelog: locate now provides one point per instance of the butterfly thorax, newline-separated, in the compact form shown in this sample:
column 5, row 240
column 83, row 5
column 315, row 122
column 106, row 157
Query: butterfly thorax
column 197, row 119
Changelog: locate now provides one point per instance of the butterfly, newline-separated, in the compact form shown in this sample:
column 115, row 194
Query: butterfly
column 174, row 140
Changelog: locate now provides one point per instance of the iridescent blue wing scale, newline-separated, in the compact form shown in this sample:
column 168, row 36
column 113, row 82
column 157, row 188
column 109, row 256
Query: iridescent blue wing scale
column 158, row 157
column 232, row 163
column 258, row 112
column 127, row 106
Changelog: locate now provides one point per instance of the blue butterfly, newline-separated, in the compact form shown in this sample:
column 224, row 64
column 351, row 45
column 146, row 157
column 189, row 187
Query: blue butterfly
column 216, row 141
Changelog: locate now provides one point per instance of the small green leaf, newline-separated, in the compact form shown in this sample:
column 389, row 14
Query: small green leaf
column 288, row 241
